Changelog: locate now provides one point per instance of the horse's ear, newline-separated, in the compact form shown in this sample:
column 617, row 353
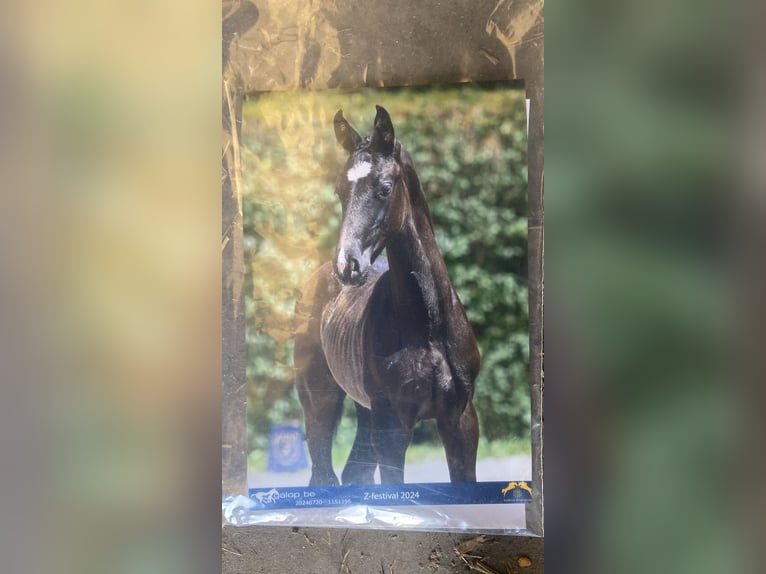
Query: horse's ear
column 345, row 134
column 383, row 134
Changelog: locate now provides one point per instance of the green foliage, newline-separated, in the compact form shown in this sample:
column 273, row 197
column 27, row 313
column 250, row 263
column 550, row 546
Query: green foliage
column 468, row 145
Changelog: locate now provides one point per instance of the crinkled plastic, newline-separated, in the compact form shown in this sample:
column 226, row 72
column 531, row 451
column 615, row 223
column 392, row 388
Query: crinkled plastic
column 274, row 194
column 243, row 511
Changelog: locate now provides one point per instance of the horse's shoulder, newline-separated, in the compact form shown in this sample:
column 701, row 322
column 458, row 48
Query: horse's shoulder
column 315, row 293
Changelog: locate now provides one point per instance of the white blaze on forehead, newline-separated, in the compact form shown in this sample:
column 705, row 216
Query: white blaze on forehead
column 359, row 171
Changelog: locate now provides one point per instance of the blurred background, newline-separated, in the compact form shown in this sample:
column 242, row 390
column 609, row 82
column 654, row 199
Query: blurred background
column 648, row 260
column 469, row 147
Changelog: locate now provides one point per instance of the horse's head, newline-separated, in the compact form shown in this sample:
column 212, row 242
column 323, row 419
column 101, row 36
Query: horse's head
column 371, row 191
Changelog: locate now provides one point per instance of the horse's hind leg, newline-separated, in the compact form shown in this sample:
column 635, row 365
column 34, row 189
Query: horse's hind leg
column 460, row 434
column 362, row 462
column 322, row 401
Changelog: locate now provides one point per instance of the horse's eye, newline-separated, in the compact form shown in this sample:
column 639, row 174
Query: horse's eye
column 386, row 187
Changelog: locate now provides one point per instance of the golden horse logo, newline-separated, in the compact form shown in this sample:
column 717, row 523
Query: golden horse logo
column 512, row 485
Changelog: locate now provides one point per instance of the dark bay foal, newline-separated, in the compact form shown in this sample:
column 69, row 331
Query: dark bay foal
column 390, row 332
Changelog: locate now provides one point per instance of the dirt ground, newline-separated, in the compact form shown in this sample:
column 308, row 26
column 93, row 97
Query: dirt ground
column 285, row 550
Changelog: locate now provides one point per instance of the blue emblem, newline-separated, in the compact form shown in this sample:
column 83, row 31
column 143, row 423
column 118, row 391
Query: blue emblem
column 286, row 450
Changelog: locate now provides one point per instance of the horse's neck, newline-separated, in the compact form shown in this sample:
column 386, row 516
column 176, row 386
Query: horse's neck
column 420, row 282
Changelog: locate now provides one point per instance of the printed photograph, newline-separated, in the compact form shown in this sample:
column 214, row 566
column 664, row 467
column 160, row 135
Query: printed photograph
column 385, row 249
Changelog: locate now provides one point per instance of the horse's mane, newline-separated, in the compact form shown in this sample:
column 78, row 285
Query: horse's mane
column 412, row 181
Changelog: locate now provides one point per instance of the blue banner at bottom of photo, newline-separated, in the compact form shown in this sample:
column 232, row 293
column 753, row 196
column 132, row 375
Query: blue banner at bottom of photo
column 391, row 495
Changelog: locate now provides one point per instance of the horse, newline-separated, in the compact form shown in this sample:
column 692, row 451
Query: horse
column 389, row 330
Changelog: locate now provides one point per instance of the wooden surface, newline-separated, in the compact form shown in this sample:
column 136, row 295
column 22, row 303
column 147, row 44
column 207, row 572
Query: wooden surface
column 319, row 44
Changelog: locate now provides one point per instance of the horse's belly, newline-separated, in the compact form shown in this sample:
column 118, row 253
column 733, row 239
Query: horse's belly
column 342, row 334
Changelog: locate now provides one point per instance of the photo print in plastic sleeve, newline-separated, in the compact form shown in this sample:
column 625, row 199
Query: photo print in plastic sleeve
column 385, row 252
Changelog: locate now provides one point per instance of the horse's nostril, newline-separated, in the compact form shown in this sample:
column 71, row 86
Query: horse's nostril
column 354, row 265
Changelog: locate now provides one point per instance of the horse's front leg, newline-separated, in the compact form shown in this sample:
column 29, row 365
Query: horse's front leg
column 322, row 401
column 390, row 437
column 459, row 432
column 362, row 460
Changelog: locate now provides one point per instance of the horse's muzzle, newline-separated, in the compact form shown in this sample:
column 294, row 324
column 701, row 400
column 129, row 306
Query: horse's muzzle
column 352, row 267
